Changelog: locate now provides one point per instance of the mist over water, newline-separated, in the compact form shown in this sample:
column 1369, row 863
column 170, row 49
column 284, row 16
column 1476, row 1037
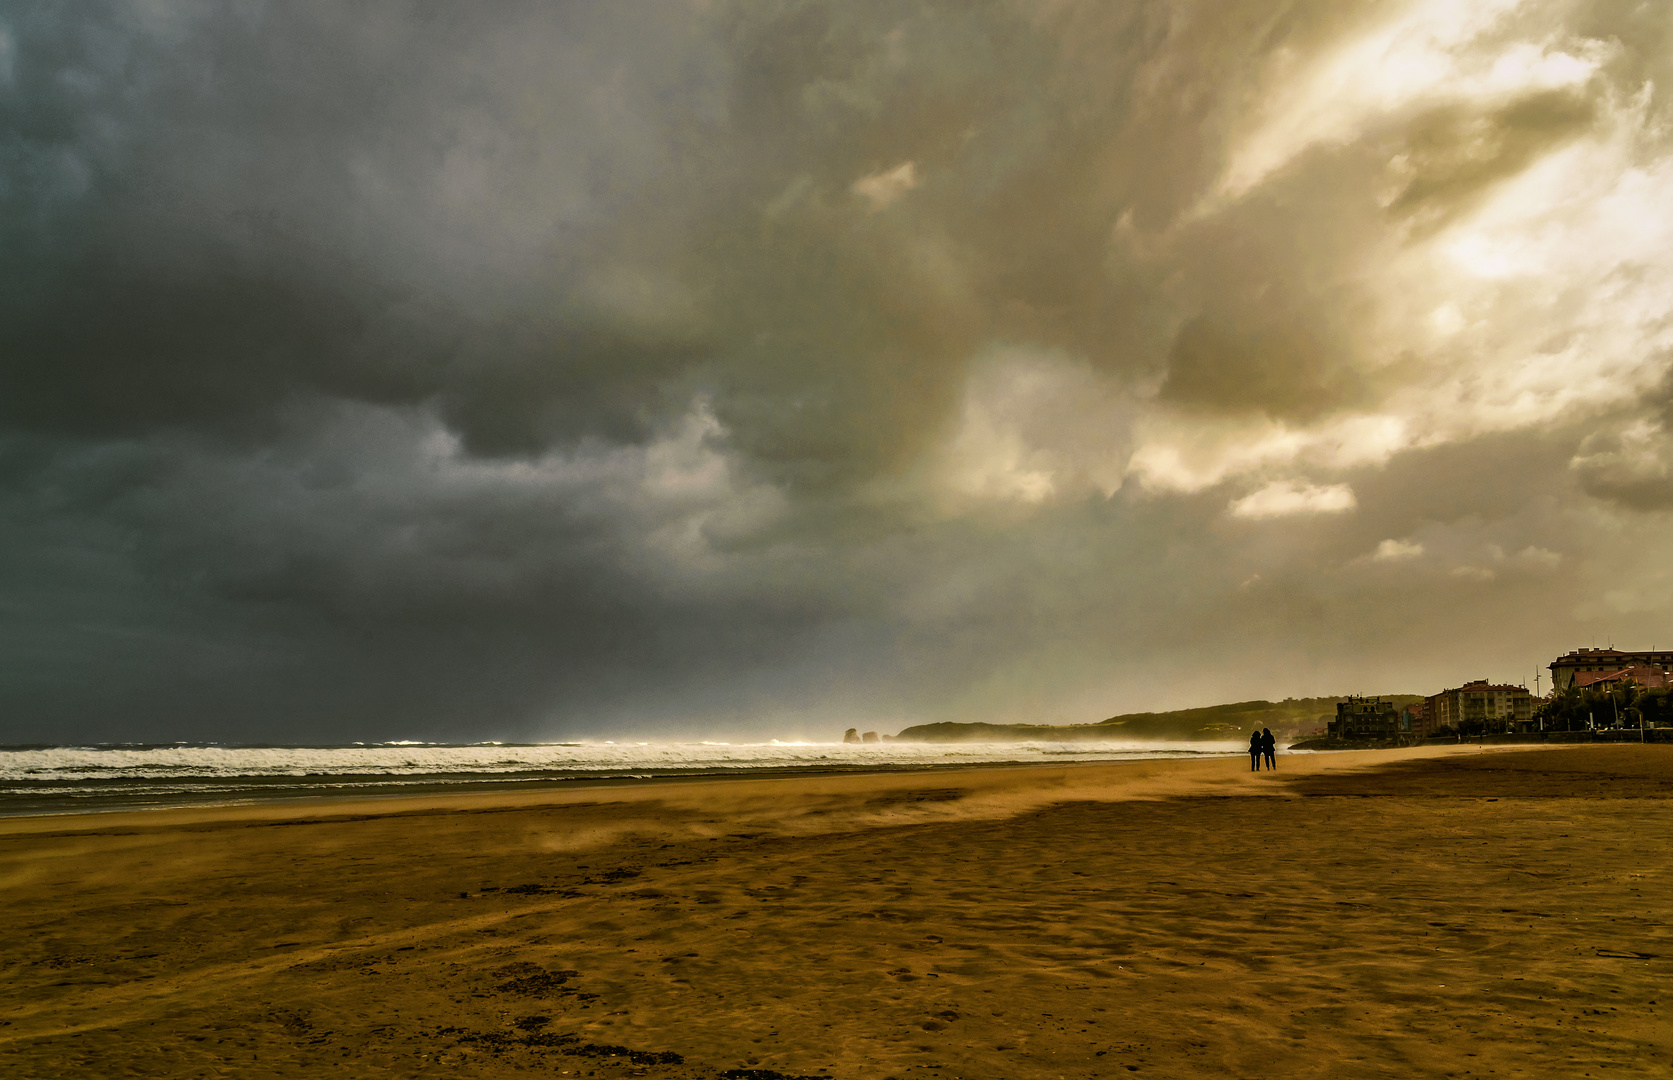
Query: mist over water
column 70, row 779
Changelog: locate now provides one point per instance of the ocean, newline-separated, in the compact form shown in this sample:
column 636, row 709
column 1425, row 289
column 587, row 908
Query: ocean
column 79, row 779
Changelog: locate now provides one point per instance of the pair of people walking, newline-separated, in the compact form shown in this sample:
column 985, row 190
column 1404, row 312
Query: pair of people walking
column 1262, row 744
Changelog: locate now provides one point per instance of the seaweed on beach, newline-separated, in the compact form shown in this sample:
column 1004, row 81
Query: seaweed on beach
column 569, row 1045
column 536, row 889
column 532, row 980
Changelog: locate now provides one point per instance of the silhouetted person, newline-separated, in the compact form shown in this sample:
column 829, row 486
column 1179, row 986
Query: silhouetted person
column 1255, row 752
column 1269, row 747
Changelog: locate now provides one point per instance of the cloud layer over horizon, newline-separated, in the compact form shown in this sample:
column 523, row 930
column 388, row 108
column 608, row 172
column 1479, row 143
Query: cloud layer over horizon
column 685, row 368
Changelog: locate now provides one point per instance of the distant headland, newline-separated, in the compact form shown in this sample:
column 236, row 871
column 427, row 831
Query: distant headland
column 1289, row 719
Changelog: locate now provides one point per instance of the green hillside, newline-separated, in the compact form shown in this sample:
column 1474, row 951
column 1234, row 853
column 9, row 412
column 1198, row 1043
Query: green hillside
column 1290, row 718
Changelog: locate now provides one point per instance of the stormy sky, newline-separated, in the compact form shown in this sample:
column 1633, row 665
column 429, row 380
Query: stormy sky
column 665, row 369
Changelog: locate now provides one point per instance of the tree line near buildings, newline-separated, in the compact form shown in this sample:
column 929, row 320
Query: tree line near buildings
column 1619, row 704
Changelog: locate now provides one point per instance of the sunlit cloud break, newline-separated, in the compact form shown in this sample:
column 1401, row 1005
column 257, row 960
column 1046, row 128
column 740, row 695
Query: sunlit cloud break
column 1283, row 498
column 1397, row 551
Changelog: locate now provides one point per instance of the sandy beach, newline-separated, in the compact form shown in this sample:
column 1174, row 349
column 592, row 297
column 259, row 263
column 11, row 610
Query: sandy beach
column 1434, row 912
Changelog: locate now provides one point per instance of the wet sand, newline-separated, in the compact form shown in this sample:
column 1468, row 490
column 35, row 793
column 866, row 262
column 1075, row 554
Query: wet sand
column 1439, row 912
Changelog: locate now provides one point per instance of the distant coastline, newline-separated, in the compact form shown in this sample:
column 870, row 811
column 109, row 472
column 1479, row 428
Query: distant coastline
column 1289, row 719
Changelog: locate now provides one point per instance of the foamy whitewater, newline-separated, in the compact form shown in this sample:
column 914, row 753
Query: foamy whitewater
column 69, row 779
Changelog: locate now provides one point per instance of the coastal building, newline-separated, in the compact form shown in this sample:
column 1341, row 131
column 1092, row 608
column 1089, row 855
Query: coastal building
column 1479, row 706
column 1365, row 718
column 1564, row 668
column 1649, row 678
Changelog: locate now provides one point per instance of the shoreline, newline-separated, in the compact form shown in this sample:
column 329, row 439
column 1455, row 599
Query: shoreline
column 116, row 801
column 630, row 789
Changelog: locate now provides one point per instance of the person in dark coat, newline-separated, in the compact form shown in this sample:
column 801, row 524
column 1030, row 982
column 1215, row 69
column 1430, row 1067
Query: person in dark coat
column 1269, row 747
column 1255, row 752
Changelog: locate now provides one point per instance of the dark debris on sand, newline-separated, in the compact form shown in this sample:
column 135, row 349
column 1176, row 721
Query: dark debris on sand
column 532, row 980
column 568, row 1045
column 535, row 889
column 529, row 1033
column 497, row 1042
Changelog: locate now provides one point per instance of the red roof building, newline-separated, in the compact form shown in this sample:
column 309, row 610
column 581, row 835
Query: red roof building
column 1564, row 668
column 1650, row 678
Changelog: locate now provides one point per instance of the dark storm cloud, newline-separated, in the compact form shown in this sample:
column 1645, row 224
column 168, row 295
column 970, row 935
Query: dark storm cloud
column 1630, row 462
column 223, row 207
column 360, row 575
column 520, row 368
